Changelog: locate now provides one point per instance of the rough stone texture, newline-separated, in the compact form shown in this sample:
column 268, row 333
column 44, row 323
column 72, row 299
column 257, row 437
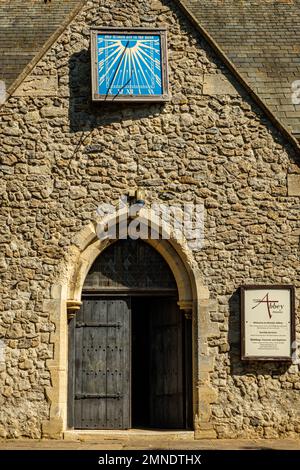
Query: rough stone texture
column 63, row 156
column 262, row 39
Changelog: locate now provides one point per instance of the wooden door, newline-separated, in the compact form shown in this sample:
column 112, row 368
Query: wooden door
column 166, row 365
column 102, row 364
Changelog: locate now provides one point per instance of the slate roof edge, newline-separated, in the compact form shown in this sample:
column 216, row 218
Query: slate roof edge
column 223, row 56
column 44, row 49
column 219, row 51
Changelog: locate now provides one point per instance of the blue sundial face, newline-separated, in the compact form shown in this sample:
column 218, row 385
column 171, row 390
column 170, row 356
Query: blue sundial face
column 129, row 64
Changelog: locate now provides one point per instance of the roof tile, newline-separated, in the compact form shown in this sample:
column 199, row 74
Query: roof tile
column 258, row 35
column 25, row 26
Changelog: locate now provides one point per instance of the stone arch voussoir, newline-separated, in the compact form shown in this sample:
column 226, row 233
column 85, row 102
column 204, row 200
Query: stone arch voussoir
column 66, row 299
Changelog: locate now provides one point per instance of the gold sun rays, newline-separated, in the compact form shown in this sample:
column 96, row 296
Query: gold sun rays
column 136, row 61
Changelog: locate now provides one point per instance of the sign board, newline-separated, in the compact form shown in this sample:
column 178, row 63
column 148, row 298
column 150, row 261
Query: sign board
column 268, row 322
column 129, row 64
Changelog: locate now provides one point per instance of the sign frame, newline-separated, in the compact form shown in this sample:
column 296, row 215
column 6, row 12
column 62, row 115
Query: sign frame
column 292, row 316
column 162, row 32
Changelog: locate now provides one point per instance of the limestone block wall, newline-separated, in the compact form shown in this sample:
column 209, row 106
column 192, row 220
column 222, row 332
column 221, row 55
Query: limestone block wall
column 62, row 156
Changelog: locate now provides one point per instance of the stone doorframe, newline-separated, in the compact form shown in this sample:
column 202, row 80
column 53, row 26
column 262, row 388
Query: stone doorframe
column 66, row 300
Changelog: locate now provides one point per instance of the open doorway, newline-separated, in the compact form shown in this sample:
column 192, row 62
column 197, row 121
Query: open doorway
column 161, row 365
column 130, row 358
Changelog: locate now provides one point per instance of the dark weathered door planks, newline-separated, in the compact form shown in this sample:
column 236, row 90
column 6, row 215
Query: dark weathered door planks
column 101, row 365
column 71, row 370
column 166, row 373
column 188, row 372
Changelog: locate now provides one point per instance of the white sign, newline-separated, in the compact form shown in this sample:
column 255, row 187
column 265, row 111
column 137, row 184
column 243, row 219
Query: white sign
column 267, row 322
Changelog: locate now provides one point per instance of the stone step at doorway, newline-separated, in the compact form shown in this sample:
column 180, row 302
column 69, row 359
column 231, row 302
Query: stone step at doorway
column 128, row 435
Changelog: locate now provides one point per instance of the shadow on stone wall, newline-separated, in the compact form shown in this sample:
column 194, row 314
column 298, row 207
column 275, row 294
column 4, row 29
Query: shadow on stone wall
column 86, row 115
column 238, row 367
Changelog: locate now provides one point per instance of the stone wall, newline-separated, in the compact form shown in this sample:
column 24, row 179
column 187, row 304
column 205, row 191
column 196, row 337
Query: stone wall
column 62, row 156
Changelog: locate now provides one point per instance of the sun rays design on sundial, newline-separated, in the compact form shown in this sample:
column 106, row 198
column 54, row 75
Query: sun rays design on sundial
column 129, row 65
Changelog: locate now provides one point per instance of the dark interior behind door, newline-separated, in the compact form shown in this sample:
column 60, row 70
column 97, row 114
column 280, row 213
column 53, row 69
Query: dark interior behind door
column 130, row 364
column 160, row 398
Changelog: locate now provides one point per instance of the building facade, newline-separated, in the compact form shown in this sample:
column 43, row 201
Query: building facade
column 214, row 145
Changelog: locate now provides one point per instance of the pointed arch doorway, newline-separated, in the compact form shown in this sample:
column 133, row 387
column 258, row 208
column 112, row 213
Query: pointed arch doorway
column 130, row 359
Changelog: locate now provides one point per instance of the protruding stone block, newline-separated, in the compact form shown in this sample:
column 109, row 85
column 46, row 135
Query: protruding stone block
column 217, row 84
column 294, row 185
column 38, row 86
column 52, row 429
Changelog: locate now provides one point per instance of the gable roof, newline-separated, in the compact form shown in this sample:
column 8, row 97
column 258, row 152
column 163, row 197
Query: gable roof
column 262, row 39
column 25, row 28
column 28, row 28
